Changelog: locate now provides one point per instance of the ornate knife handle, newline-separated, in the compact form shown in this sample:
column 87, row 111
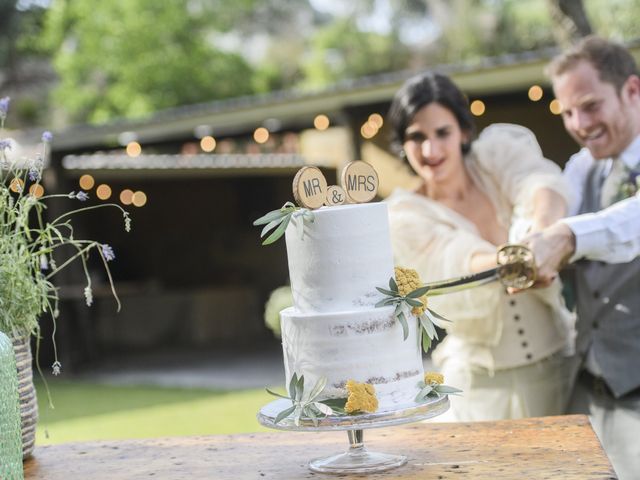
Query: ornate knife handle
column 516, row 266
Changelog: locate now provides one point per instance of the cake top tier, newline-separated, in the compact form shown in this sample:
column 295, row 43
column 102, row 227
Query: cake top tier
column 340, row 259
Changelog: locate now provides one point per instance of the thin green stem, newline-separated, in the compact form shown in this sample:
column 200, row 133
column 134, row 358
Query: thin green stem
column 70, row 259
column 85, row 209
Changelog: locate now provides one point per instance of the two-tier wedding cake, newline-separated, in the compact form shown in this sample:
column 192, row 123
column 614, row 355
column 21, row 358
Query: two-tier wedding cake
column 334, row 329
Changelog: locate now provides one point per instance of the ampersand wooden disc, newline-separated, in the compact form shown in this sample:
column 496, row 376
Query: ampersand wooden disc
column 335, row 196
column 310, row 187
column 360, row 181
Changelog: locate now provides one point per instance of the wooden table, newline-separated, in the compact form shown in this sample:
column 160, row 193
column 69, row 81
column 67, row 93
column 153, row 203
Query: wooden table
column 562, row 448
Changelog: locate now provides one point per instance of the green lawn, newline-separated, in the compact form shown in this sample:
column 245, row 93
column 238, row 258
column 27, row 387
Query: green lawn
column 85, row 411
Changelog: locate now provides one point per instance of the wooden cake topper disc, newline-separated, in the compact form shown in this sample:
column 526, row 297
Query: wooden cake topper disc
column 335, row 196
column 310, row 187
column 360, row 181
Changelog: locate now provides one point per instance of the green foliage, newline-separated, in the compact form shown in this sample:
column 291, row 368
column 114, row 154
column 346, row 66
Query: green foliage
column 132, row 57
column 276, row 222
column 341, row 50
column 617, row 19
column 403, row 311
column 473, row 29
column 30, row 243
column 279, row 299
column 306, row 405
column 433, row 389
column 8, row 28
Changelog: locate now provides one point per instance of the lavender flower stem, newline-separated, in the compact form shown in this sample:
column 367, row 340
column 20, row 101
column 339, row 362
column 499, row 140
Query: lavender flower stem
column 84, row 209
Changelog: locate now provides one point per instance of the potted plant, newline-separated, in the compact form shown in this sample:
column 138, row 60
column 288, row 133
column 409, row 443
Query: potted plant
column 33, row 250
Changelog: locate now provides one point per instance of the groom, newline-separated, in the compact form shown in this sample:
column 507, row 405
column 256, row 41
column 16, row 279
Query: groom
column 598, row 86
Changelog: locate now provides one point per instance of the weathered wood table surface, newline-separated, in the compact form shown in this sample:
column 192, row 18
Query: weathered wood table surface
column 562, row 448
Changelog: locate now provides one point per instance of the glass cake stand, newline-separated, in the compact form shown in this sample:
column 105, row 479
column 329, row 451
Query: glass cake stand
column 357, row 459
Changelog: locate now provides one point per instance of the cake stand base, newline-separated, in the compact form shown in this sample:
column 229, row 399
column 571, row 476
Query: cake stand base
column 357, row 459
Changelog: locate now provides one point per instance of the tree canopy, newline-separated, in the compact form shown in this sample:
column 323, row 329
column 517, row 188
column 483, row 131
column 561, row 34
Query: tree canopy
column 132, row 57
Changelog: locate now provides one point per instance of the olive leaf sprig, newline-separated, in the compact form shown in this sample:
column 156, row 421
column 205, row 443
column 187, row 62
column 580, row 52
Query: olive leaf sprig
column 431, row 389
column 277, row 221
column 308, row 406
column 405, row 304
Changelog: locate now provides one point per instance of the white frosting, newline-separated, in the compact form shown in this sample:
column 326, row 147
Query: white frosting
column 366, row 346
column 340, row 258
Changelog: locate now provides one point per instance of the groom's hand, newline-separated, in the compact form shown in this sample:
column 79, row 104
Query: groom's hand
column 552, row 247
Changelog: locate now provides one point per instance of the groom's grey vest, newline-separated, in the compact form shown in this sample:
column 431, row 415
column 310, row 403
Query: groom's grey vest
column 608, row 301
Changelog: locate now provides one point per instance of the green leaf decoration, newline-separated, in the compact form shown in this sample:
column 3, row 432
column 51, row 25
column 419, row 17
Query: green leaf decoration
column 428, row 319
column 447, row 390
column 418, row 292
column 309, row 413
column 284, row 414
column 426, row 341
column 318, row 388
column 388, row 292
column 438, row 316
column 413, row 302
column 309, row 407
column 335, row 403
column 277, row 221
column 435, row 390
column 323, row 408
column 405, row 326
column 276, row 394
column 270, row 217
column 299, row 389
column 278, row 232
column 388, row 301
column 427, row 325
column 297, row 414
column 424, row 393
column 382, row 303
column 292, row 385
column 270, row 226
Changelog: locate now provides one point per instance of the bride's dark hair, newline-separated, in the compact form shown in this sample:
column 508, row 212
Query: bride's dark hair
column 421, row 90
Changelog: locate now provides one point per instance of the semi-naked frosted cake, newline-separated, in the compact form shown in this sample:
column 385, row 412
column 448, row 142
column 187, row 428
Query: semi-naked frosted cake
column 334, row 329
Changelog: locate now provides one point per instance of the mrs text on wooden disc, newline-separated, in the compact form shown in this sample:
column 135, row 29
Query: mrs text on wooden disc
column 360, row 181
column 310, row 187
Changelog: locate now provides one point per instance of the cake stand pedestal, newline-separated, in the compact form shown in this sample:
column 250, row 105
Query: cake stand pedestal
column 357, row 459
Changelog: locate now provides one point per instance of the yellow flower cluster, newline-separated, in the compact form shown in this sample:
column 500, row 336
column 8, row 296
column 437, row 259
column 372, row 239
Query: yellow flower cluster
column 408, row 280
column 362, row 397
column 431, row 378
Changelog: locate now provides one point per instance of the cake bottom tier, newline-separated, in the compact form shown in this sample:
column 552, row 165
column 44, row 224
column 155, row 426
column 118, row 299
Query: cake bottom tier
column 366, row 346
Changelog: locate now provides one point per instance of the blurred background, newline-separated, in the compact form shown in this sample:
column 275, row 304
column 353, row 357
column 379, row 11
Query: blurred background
column 195, row 116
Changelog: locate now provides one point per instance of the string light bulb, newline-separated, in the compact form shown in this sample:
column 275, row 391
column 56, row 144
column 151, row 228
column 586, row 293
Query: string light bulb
column 535, row 93
column 477, row 107
column 261, row 135
column 86, row 182
column 321, row 122
column 103, row 192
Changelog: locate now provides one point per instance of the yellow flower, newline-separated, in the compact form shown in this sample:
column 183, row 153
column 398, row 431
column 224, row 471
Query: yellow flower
column 362, row 397
column 408, row 280
column 433, row 377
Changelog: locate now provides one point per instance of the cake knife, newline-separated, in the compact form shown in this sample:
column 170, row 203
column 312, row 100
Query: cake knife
column 516, row 269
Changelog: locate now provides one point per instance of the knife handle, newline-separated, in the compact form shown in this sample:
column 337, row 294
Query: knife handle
column 516, row 266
